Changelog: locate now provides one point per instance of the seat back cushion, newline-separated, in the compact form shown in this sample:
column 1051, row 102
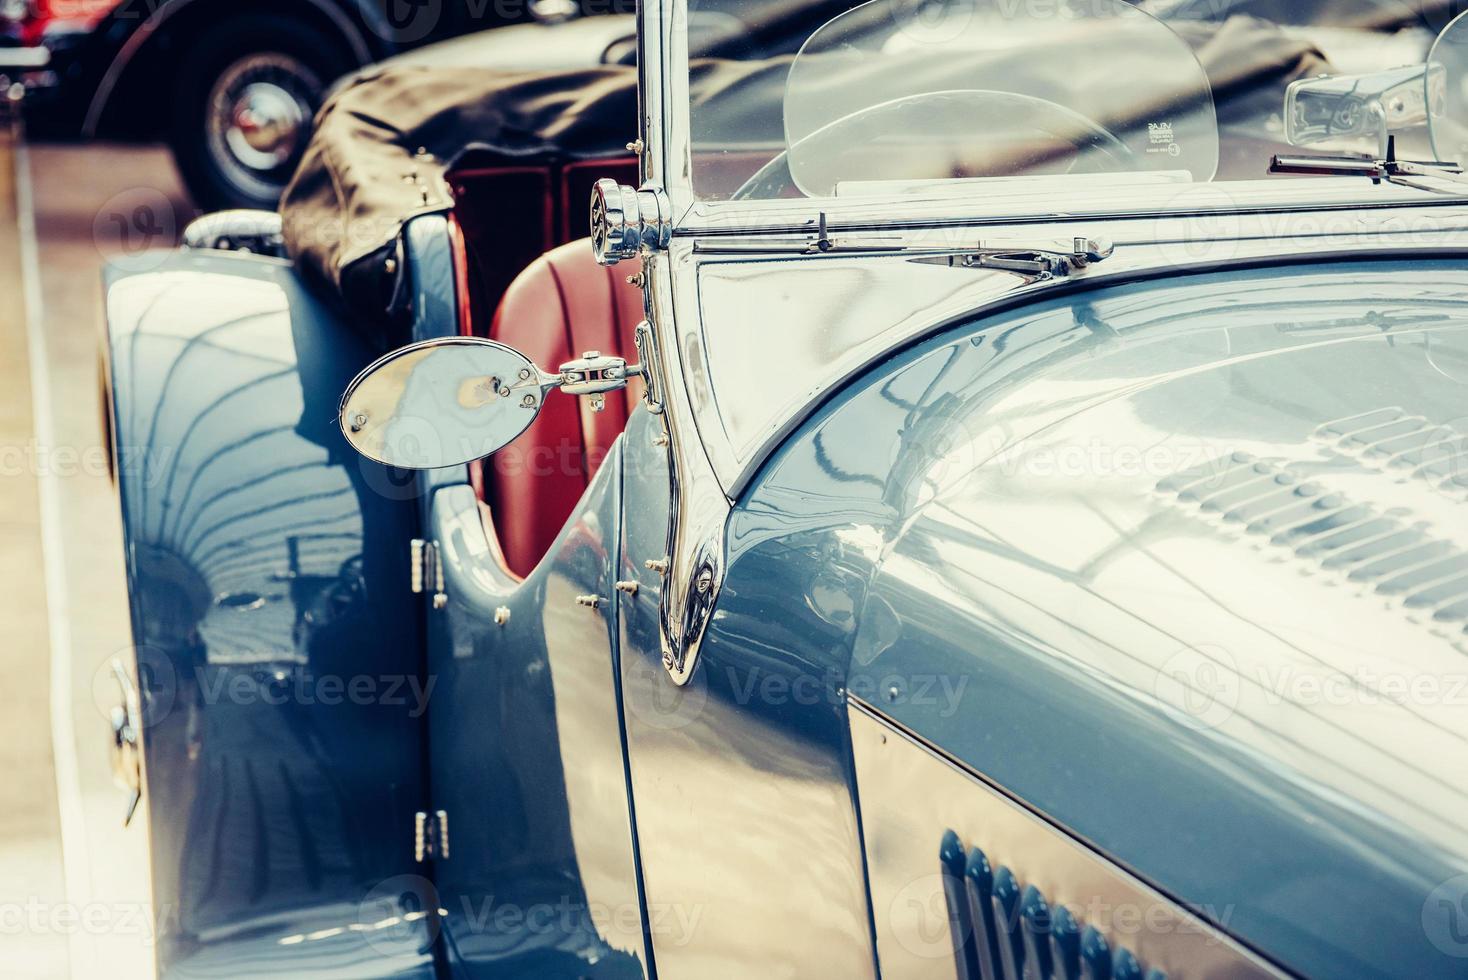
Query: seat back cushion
column 560, row 307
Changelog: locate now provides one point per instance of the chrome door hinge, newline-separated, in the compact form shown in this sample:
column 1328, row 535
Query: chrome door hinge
column 425, row 571
column 430, row 835
column 593, row 374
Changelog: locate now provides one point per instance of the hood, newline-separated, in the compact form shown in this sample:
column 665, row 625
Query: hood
column 1191, row 557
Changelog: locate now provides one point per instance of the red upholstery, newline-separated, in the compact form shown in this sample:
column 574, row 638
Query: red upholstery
column 561, row 306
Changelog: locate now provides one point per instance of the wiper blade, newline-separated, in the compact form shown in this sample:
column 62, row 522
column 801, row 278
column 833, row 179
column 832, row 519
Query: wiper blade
column 1388, row 168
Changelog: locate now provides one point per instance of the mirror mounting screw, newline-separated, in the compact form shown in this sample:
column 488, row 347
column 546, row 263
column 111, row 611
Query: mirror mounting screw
column 637, row 279
column 590, row 601
column 524, row 374
column 528, row 401
column 502, row 615
column 658, row 565
column 629, row 587
column 359, row 421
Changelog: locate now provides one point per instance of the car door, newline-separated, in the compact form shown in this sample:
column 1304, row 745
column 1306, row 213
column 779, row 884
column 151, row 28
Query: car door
column 528, row 849
column 531, row 831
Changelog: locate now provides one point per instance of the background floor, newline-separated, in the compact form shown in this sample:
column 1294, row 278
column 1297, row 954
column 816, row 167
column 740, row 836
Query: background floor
column 74, row 895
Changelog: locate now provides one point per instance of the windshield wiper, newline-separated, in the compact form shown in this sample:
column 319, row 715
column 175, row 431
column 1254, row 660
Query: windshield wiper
column 1388, row 169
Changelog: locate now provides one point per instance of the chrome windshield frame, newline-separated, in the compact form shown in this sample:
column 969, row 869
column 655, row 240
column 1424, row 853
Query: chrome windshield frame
column 665, row 131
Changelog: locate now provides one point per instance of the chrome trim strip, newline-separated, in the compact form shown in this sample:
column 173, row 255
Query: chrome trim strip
column 911, row 793
column 1150, row 249
column 693, row 567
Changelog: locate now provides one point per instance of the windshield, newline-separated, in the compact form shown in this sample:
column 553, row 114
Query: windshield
column 824, row 98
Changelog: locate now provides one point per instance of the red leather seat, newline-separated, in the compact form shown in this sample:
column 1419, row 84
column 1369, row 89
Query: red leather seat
column 563, row 305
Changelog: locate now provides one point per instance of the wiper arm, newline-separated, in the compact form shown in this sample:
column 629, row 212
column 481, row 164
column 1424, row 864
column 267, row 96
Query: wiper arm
column 1389, row 169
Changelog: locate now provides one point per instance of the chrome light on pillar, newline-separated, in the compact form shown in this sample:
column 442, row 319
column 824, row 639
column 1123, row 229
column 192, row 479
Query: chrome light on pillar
column 624, row 220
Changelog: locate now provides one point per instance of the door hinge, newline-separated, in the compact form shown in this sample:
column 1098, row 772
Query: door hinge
column 426, row 571
column 430, row 835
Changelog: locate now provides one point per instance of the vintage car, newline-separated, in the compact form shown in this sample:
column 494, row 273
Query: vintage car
column 232, row 88
column 994, row 508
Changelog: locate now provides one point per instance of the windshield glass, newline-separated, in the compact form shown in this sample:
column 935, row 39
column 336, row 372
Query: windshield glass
column 822, row 98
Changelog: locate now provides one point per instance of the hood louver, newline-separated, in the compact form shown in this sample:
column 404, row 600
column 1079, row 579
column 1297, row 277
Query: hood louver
column 1005, row 930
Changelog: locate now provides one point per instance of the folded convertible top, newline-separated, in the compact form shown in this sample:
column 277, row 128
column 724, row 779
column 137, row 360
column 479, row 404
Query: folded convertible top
column 384, row 140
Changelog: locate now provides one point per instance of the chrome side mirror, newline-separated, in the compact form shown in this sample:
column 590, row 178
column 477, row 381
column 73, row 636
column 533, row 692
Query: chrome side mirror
column 448, row 401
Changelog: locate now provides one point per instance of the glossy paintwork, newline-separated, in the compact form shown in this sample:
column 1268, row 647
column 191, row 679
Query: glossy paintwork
column 267, row 575
column 753, row 379
column 748, row 834
column 941, row 846
column 991, row 541
column 525, row 738
column 527, row 752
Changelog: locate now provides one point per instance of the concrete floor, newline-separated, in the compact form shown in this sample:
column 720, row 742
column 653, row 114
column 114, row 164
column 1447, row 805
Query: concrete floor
column 74, row 897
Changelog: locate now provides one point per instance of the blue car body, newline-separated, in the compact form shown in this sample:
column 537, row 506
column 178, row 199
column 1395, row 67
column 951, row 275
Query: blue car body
column 1020, row 605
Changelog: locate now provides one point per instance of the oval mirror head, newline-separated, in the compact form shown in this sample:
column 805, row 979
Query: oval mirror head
column 442, row 402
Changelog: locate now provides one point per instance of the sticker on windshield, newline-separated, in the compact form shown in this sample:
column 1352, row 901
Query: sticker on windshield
column 1159, row 134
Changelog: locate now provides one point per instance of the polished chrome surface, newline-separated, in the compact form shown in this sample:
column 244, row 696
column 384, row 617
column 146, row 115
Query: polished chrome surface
column 258, row 116
column 554, row 11
column 749, row 304
column 693, row 562
column 749, row 837
column 239, row 230
column 911, row 795
column 625, row 220
column 127, row 753
column 593, row 374
column 614, row 220
column 442, row 402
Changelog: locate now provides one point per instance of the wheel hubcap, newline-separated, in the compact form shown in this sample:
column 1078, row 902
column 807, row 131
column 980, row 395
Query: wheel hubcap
column 258, row 118
column 266, row 126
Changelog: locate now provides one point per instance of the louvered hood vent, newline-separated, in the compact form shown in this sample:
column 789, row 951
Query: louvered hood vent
column 1006, row 930
column 1389, row 551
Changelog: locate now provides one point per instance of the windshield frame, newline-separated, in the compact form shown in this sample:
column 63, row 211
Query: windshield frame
column 667, row 165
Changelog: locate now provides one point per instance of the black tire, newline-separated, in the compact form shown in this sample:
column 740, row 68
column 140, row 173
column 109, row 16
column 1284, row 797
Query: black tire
column 282, row 53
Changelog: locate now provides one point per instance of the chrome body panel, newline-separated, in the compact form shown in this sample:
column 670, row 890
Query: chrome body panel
column 749, row 842
column 913, row 794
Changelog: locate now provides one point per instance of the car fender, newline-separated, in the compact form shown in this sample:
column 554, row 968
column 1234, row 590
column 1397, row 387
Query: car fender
column 267, row 570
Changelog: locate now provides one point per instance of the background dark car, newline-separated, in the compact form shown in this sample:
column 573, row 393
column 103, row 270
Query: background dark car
column 231, row 87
